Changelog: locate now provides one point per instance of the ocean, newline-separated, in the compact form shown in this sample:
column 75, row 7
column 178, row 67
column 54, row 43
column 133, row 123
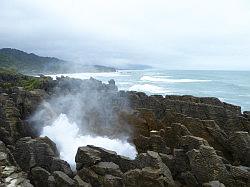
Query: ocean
column 229, row 86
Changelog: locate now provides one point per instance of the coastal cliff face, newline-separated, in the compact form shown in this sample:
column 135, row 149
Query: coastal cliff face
column 180, row 140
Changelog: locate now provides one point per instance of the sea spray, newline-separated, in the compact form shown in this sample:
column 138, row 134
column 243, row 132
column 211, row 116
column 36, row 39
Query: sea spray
column 85, row 112
column 167, row 80
column 149, row 88
column 68, row 138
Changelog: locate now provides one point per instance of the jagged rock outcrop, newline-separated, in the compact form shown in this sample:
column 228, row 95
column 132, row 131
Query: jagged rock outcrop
column 206, row 165
column 246, row 114
column 240, row 144
column 10, row 173
column 30, row 152
column 181, row 140
column 101, row 167
column 12, row 127
column 40, row 176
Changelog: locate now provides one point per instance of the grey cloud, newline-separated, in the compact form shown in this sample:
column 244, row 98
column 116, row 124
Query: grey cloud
column 173, row 34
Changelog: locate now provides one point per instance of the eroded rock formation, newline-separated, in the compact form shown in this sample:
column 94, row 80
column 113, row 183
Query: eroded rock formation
column 181, row 140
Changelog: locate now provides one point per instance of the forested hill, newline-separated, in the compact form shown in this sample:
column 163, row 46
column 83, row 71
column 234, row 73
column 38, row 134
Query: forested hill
column 30, row 63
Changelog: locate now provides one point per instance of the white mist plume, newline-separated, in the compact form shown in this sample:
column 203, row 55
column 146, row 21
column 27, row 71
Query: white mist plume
column 84, row 112
column 67, row 137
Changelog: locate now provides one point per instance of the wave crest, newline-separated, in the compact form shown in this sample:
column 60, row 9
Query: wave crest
column 67, row 137
column 166, row 80
column 148, row 88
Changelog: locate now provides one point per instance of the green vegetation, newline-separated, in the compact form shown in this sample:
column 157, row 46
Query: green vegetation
column 31, row 84
column 8, row 71
column 33, row 64
column 28, row 63
column 10, row 78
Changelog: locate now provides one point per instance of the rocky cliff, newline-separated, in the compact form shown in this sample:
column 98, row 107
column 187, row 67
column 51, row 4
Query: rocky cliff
column 181, row 140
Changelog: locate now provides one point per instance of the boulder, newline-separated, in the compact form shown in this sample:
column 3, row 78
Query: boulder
column 63, row 180
column 88, row 175
column 155, row 177
column 213, row 184
column 174, row 133
column 142, row 143
column 169, row 161
column 153, row 143
column 12, row 127
column 110, row 168
column 246, row 114
column 50, row 143
column 137, row 123
column 61, row 165
column 124, row 163
column 10, row 173
column 16, row 179
column 181, row 163
column 33, row 152
column 6, row 157
column 241, row 175
column 207, row 166
column 191, row 142
column 87, row 156
column 112, row 181
column 80, row 182
column 240, row 146
column 188, row 179
column 151, row 165
column 146, row 177
column 51, row 181
column 40, row 176
column 132, row 178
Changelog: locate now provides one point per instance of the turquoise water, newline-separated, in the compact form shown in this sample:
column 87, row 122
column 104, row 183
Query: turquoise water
column 228, row 86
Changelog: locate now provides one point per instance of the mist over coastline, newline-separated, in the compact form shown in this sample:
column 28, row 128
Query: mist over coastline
column 164, row 34
column 132, row 93
column 228, row 86
column 83, row 114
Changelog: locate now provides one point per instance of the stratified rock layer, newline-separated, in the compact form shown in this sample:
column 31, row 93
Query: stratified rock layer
column 181, row 140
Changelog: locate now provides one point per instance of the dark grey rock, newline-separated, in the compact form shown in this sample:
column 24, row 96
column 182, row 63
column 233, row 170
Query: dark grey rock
column 61, row 165
column 80, row 182
column 112, row 181
column 109, row 168
column 87, row 156
column 207, row 166
column 39, row 177
column 213, row 184
column 63, row 180
column 33, row 152
column 240, row 146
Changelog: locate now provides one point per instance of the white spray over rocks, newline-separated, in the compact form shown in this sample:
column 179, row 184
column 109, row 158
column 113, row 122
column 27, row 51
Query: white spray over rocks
column 84, row 114
column 67, row 137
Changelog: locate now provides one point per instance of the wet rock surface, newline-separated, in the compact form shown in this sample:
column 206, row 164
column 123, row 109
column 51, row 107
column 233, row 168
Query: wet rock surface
column 181, row 140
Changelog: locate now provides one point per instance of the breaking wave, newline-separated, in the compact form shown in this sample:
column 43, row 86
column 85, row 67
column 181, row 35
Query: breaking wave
column 166, row 80
column 67, row 138
column 148, row 88
column 88, row 75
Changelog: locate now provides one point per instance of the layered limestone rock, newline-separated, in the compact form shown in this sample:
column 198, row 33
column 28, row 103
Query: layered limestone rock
column 10, row 173
column 181, row 140
column 102, row 167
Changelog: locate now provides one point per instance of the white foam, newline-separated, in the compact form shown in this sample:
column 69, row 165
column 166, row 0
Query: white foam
column 148, row 88
column 159, row 79
column 244, row 95
column 222, row 99
column 162, row 76
column 124, row 83
column 67, row 138
column 88, row 75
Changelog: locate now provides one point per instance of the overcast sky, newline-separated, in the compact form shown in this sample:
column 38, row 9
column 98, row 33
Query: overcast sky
column 174, row 34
